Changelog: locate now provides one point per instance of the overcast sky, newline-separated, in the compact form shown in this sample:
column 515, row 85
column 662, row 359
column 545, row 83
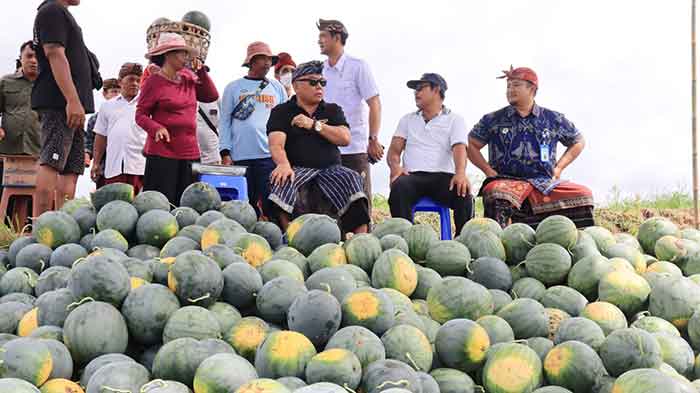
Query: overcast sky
column 620, row 70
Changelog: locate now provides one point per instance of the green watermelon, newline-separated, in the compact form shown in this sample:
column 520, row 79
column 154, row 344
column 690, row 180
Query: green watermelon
column 246, row 336
column 603, row 238
column 110, row 238
column 676, row 352
column 395, row 270
column 309, row 231
column 394, row 241
column 101, row 280
column 426, row 279
column 240, row 211
column 276, row 296
column 491, row 273
column 479, row 224
column 335, row 365
column 361, row 341
column 112, row 192
column 585, row 275
column 448, row 258
column 209, row 217
column 53, row 307
column 177, row 246
column 201, row 197
column 648, row 379
column 675, row 300
column 51, row 279
column 143, row 252
column 483, row 244
column 498, row 329
column 630, row 253
column 335, row 280
column 253, row 248
column 284, row 354
column 391, row 226
column 629, row 348
column 34, row 256
column 66, row 254
column 527, row 317
column 241, row 285
column 608, row 316
column 196, row 279
column 151, row 200
column 191, row 321
column 263, row 385
column 55, row 228
column 93, row 329
column 27, row 359
column 449, row 380
column 673, row 249
column 327, row 255
column 200, row 19
column 458, row 297
column 315, row 314
column 559, row 230
column 279, row 267
column 292, row 255
column 500, row 299
column 156, row 227
column 146, row 311
column 118, row 215
column 548, row 263
column 179, row 359
column 18, row 280
column 653, row 229
column 363, row 250
column 222, row 231
column 214, row 373
column 420, row 239
column 100, row 361
column 528, row 287
column 512, row 368
column 270, row 231
column 120, row 376
column 656, row 324
column 627, row 290
column 518, row 239
column 573, row 365
column 564, row 298
column 86, row 217
column 185, row 216
column 585, row 247
column 540, row 345
column 226, row 314
column 385, row 374
column 580, row 329
column 409, row 345
column 462, row 344
column 370, row 308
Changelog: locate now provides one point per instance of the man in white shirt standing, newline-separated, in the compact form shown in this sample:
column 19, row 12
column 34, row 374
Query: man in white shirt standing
column 117, row 134
column 433, row 141
column 352, row 87
column 208, row 132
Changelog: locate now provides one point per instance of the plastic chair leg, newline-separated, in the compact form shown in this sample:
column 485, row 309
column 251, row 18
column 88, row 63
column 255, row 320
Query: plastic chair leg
column 445, row 225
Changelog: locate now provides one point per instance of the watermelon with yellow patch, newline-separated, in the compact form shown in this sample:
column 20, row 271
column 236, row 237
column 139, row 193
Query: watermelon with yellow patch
column 28, row 323
column 675, row 300
column 573, row 365
column 284, row 354
column 254, row 249
column 156, row 227
column 309, row 231
column 648, row 379
column 246, row 335
column 335, row 365
column 462, row 344
column 214, row 373
column 361, row 341
column 61, row 386
column 512, row 368
column 555, row 317
column 458, row 297
column 630, row 253
column 674, row 249
column 56, row 228
column 327, row 255
column 370, row 308
column 28, row 359
column 263, row 385
column 222, row 231
column 653, row 229
column 608, row 316
column 627, row 290
column 395, row 270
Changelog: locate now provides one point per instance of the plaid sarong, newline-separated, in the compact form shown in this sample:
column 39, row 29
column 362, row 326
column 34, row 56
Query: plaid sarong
column 340, row 185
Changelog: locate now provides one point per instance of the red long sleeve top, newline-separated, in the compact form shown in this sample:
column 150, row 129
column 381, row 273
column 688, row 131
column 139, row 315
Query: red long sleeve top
column 164, row 103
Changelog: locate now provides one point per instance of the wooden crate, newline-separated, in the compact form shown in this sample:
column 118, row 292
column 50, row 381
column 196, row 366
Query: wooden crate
column 19, row 171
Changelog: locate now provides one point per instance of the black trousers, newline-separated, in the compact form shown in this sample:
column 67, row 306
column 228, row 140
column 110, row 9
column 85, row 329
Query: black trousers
column 408, row 189
column 168, row 176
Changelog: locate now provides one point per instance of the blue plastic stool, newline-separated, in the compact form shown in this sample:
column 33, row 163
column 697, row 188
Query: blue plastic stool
column 428, row 205
column 230, row 187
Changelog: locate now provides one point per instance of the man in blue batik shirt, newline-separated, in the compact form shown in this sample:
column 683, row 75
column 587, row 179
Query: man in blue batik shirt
column 523, row 172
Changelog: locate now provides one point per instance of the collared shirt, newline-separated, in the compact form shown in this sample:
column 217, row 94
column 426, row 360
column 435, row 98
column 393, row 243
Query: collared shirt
column 307, row 148
column 350, row 85
column 526, row 147
column 20, row 122
column 247, row 139
column 429, row 144
column 125, row 139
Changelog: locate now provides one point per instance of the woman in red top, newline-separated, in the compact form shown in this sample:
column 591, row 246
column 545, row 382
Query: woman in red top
column 167, row 111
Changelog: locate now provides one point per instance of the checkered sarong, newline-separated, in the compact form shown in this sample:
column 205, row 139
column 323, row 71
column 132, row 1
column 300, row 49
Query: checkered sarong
column 340, row 185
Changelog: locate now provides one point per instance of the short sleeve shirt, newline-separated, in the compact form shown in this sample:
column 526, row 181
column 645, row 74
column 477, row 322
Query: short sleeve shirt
column 350, row 85
column 429, row 144
column 20, row 122
column 54, row 24
column 525, row 147
column 307, row 148
column 125, row 139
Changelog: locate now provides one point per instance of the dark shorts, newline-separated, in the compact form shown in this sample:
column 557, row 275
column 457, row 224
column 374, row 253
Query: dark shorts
column 62, row 148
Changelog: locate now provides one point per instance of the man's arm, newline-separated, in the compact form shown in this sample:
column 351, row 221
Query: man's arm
column 571, row 153
column 460, row 180
column 284, row 170
column 98, row 152
column 474, row 154
column 393, row 158
column 337, row 135
column 375, row 149
column 60, row 68
column 2, row 107
column 226, row 124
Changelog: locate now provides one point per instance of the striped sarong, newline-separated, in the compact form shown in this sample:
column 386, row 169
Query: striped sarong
column 340, row 185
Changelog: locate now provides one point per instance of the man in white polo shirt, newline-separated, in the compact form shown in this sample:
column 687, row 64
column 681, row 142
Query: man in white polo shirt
column 433, row 141
column 352, row 87
column 117, row 134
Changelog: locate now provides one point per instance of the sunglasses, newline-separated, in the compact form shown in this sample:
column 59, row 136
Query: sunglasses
column 314, row 82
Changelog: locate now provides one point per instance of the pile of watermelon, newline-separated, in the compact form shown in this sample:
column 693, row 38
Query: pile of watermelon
column 123, row 294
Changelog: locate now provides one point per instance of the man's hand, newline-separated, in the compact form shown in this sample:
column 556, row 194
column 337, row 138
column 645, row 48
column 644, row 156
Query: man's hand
column 557, row 173
column 96, row 172
column 303, row 121
column 2, row 133
column 88, row 159
column 75, row 115
column 280, row 175
column 162, row 134
column 375, row 150
column 226, row 160
column 460, row 182
column 396, row 172
column 491, row 173
column 197, row 64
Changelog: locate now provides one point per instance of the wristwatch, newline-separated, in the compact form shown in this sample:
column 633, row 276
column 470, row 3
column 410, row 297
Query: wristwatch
column 373, row 137
column 317, row 126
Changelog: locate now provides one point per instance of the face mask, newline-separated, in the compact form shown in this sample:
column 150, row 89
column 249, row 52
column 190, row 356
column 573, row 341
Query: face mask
column 286, row 79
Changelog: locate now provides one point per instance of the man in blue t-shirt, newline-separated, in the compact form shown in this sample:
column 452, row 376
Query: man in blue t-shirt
column 245, row 109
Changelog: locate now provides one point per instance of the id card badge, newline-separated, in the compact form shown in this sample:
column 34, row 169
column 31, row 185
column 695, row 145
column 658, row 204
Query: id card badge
column 544, row 153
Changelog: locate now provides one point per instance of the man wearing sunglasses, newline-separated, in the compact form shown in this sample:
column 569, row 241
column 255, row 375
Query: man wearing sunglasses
column 433, row 142
column 304, row 134
column 352, row 86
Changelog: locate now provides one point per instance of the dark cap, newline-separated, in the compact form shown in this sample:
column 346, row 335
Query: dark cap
column 130, row 69
column 331, row 26
column 110, row 83
column 313, row 67
column 433, row 79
